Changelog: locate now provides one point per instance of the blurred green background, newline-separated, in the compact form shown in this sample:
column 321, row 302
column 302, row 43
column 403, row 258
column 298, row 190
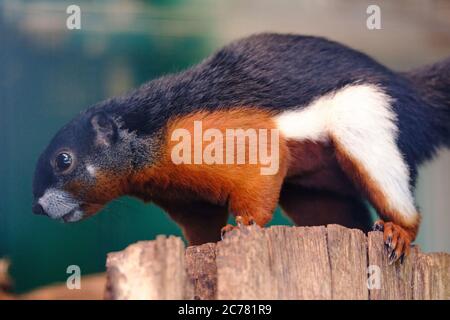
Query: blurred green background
column 50, row 73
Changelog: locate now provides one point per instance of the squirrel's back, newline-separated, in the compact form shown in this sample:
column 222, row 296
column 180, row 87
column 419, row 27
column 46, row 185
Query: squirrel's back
column 277, row 72
column 271, row 71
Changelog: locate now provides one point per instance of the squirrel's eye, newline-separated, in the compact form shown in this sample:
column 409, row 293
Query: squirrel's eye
column 63, row 161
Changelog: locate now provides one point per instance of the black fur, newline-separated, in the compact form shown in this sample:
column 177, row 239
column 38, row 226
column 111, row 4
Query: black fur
column 433, row 85
column 76, row 136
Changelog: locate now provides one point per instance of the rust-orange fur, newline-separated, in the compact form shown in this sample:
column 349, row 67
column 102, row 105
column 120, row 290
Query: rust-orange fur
column 107, row 186
column 248, row 193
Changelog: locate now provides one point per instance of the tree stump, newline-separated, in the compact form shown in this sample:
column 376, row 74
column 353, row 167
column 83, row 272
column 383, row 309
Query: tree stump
column 278, row 262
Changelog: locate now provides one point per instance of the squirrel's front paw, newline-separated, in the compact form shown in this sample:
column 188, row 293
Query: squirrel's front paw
column 226, row 229
column 240, row 222
column 396, row 239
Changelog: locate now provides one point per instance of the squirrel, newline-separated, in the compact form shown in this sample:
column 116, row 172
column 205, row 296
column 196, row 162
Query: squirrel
column 352, row 132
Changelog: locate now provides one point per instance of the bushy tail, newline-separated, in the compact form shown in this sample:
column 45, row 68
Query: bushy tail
column 433, row 84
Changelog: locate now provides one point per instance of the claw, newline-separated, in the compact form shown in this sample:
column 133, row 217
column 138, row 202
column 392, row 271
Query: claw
column 225, row 230
column 389, row 242
column 396, row 240
column 392, row 257
column 389, row 249
column 240, row 223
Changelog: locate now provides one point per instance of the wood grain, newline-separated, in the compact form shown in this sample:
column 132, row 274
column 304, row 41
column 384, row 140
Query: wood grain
column 347, row 249
column 149, row 270
column 279, row 262
column 274, row 263
column 396, row 279
column 202, row 270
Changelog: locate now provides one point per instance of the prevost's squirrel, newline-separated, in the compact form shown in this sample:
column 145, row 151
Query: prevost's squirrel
column 350, row 130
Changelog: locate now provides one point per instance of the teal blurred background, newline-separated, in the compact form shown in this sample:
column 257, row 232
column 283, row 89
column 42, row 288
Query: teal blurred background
column 49, row 73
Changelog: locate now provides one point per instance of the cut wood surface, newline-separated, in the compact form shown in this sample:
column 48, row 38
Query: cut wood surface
column 278, row 262
column 149, row 270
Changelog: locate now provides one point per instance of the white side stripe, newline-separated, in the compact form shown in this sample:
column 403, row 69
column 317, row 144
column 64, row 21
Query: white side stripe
column 361, row 118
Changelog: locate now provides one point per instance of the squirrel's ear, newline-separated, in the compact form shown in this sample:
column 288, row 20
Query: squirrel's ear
column 105, row 129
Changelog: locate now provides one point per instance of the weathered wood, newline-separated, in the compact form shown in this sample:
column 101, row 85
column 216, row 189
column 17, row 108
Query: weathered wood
column 441, row 275
column 276, row 263
column 432, row 277
column 238, row 258
column 202, row 270
column 149, row 270
column 396, row 279
column 347, row 249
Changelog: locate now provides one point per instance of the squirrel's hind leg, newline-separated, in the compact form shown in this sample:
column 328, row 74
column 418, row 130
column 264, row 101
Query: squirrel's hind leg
column 382, row 176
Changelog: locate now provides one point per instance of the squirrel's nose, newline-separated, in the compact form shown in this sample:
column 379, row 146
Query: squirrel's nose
column 38, row 209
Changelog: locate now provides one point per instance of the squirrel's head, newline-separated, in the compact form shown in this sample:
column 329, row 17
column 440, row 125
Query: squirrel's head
column 86, row 165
